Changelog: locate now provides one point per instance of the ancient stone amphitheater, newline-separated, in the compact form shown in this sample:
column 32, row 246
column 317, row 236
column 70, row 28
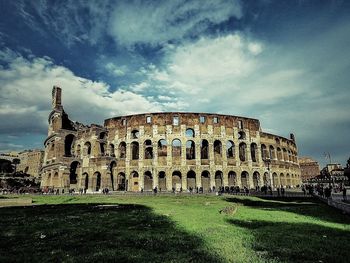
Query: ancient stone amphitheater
column 170, row 151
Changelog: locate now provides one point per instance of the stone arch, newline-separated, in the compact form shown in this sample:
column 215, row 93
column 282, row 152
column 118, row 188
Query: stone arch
column 232, row 178
column 256, row 177
column 241, row 135
column 135, row 134
column 134, row 177
column 190, row 133
column 112, row 165
column 86, row 180
column 176, row 148
column 122, row 150
column 134, row 151
column 264, row 152
column 230, row 149
column 245, row 179
column 102, row 135
column 217, row 150
column 68, row 145
column 218, row 179
column 176, row 180
column 162, row 148
column 190, row 150
column 254, row 152
column 272, row 152
column 283, row 179
column 279, row 154
column 205, row 179
column 266, row 178
column 73, row 177
column 162, row 181
column 97, row 179
column 111, row 150
column 204, row 149
column 191, row 179
column 274, row 179
column 148, row 181
column 148, row 149
column 121, row 182
column 87, row 149
column 242, row 152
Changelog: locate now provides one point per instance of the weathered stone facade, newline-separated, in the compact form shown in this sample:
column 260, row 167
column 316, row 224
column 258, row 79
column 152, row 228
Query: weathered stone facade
column 31, row 162
column 309, row 168
column 165, row 150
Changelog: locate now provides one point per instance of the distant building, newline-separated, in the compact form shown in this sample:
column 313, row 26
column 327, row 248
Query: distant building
column 9, row 156
column 309, row 168
column 31, row 162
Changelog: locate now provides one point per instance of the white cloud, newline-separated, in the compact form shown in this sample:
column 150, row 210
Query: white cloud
column 25, row 87
column 115, row 70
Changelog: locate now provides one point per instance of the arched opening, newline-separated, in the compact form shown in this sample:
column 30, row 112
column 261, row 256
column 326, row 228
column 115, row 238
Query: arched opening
column 102, row 148
column 148, row 149
column 254, row 151
column 245, row 179
column 162, row 148
column 162, row 180
column 121, row 183
column 86, row 181
column 135, row 134
column 256, row 176
column 73, row 172
column 242, row 151
column 204, row 149
column 134, row 151
column 112, row 165
column 190, row 133
column 87, row 149
column 285, row 155
column 102, row 135
column 134, row 181
column 217, row 150
column 279, row 154
column 176, row 180
column 283, row 179
column 205, row 178
column 122, row 150
column 218, row 179
column 230, row 149
column 272, row 152
column 111, row 150
column 97, row 177
column 190, row 150
column 148, row 181
column 241, row 135
column 263, row 152
column 176, row 148
column 232, row 178
column 274, row 180
column 68, row 143
column 191, row 180
column 266, row 178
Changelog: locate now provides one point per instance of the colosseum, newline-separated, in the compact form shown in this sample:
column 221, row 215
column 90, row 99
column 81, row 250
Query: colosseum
column 173, row 151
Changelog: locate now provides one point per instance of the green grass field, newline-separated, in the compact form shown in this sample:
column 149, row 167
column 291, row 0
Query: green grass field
column 173, row 229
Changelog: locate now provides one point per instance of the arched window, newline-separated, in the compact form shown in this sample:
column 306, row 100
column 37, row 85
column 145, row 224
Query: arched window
column 162, row 148
column 263, row 152
column 272, row 152
column 241, row 135
column 102, row 148
column 279, row 154
column 205, row 178
column 162, row 180
column 256, row 176
column 135, row 134
column 242, row 151
column 190, row 150
column 148, row 181
column 68, row 143
column 97, row 178
column 148, row 149
column 122, row 150
column 102, row 135
column 230, row 149
column 111, row 150
column 245, row 179
column 87, row 148
column 218, row 179
column 191, row 180
column 253, row 151
column 73, row 172
column 217, row 147
column 190, row 133
column 176, row 148
column 204, row 149
column 134, row 151
column 176, row 180
column 232, row 178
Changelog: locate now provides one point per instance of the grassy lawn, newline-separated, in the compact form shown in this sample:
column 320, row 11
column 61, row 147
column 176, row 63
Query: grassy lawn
column 173, row 229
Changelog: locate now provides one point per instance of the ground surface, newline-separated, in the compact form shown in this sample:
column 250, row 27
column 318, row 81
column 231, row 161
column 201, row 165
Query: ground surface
column 173, row 229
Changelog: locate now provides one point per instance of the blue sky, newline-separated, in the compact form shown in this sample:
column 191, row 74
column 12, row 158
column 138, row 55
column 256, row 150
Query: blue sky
column 283, row 62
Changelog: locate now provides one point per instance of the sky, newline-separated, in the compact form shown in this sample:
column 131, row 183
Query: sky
column 284, row 62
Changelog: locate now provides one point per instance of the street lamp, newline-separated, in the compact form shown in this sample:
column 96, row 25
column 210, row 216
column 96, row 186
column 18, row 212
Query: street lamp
column 268, row 162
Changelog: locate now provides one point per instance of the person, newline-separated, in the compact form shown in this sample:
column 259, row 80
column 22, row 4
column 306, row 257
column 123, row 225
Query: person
column 344, row 193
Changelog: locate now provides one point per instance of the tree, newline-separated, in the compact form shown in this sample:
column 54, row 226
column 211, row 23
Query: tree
column 15, row 162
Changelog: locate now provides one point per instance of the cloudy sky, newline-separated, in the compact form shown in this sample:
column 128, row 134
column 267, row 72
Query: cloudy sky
column 286, row 63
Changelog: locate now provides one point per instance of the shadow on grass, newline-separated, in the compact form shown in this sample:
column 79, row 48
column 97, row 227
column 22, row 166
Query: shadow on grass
column 106, row 233
column 297, row 242
column 302, row 206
